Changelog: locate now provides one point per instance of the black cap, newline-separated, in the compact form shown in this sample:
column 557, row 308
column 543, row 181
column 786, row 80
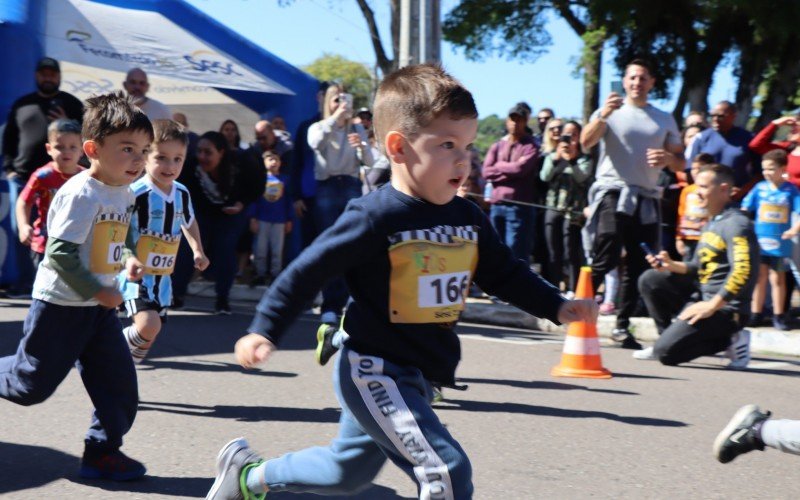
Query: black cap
column 48, row 62
column 519, row 109
column 363, row 110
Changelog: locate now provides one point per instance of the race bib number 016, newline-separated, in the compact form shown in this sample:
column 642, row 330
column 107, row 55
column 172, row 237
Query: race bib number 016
column 429, row 279
column 107, row 244
column 157, row 251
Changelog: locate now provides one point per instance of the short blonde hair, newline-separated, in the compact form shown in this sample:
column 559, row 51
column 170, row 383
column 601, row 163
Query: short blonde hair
column 332, row 91
column 412, row 97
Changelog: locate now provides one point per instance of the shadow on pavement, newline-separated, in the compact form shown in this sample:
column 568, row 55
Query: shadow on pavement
column 207, row 366
column 247, row 413
column 542, row 384
column 375, row 492
column 546, row 411
column 25, row 466
column 195, row 487
column 639, row 375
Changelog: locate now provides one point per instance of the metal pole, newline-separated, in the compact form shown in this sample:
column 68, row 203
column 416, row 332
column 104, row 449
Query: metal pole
column 405, row 33
column 423, row 31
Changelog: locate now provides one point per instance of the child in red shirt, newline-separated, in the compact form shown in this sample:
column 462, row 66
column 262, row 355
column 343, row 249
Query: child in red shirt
column 65, row 148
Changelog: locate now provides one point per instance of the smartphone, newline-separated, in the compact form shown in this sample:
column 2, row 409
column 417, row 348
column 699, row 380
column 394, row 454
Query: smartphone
column 565, row 138
column 55, row 103
column 616, row 86
column 649, row 251
column 348, row 100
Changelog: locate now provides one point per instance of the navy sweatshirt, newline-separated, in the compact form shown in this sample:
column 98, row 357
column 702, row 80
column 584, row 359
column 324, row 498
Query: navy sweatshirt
column 408, row 264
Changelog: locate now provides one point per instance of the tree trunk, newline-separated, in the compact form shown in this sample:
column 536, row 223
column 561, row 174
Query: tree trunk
column 592, row 66
column 753, row 61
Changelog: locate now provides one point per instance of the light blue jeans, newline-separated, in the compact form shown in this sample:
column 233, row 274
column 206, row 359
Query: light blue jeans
column 386, row 413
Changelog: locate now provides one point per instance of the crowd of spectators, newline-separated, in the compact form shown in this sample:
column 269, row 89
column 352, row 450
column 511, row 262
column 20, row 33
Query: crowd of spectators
column 561, row 194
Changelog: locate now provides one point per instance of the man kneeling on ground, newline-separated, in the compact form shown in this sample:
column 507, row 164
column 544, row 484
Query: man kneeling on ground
column 723, row 272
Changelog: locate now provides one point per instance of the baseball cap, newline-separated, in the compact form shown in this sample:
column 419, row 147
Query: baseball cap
column 363, row 110
column 48, row 62
column 519, row 109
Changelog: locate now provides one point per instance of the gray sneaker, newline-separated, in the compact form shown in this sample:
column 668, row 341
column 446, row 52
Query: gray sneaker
column 234, row 461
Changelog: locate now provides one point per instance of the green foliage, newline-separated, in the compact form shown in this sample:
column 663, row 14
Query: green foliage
column 514, row 28
column 356, row 77
column 490, row 130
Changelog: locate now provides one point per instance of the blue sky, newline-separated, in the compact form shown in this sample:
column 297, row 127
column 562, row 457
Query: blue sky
column 305, row 29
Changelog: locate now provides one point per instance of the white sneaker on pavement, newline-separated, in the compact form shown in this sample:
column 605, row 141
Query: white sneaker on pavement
column 646, row 353
column 739, row 350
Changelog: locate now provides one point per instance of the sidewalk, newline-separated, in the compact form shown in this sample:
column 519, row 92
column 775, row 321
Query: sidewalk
column 764, row 340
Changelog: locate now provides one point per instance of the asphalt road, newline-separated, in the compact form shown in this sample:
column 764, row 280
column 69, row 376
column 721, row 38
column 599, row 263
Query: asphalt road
column 645, row 433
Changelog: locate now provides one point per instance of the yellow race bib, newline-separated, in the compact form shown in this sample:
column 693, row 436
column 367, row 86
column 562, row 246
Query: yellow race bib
column 157, row 251
column 773, row 213
column 107, row 243
column 431, row 273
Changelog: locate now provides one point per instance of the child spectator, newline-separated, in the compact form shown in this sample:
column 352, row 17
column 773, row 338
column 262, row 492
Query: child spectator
column 405, row 304
column 163, row 210
column 270, row 221
column 64, row 147
column 73, row 317
column 772, row 201
column 692, row 215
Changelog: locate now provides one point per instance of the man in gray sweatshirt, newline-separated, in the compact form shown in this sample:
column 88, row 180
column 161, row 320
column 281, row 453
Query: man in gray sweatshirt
column 724, row 272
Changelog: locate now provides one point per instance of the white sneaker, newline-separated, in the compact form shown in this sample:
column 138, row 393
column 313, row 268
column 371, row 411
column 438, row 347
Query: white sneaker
column 739, row 350
column 646, row 353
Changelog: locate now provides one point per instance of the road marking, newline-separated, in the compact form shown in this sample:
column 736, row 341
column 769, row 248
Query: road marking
column 506, row 340
column 771, row 364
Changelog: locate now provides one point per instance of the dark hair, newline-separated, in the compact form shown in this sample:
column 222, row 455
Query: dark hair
column 722, row 173
column 776, row 156
column 271, row 154
column 644, row 63
column 731, row 106
column 169, row 130
column 704, row 159
column 110, row 114
column 549, row 110
column 412, row 97
column 238, row 138
column 225, row 167
column 572, row 122
column 62, row 126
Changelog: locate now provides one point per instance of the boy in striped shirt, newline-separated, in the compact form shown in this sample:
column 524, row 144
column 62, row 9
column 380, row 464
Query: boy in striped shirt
column 163, row 211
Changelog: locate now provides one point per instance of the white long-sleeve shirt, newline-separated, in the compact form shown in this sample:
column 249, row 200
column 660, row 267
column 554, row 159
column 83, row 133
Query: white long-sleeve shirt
column 333, row 154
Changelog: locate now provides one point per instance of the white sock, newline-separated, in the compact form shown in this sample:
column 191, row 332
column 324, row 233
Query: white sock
column 133, row 337
column 255, row 479
column 138, row 354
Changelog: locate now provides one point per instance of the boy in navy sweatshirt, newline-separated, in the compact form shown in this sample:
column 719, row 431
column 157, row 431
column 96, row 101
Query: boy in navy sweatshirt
column 408, row 252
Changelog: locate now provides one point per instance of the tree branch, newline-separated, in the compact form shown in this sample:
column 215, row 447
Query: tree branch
column 562, row 6
column 386, row 64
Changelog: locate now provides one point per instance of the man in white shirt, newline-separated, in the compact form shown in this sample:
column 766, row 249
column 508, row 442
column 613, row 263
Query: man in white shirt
column 137, row 86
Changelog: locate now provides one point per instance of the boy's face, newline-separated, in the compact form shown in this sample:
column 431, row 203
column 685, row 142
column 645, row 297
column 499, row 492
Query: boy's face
column 436, row 161
column 696, row 169
column 772, row 171
column 120, row 159
column 273, row 164
column 165, row 162
column 65, row 150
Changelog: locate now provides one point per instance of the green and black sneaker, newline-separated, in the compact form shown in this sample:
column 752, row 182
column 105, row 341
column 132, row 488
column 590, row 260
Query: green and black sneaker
column 234, row 461
column 325, row 347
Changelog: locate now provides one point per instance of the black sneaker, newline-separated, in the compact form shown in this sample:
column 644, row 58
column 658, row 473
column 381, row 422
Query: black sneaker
column 115, row 466
column 740, row 435
column 625, row 338
column 756, row 319
column 325, row 347
column 222, row 307
column 177, row 303
column 779, row 322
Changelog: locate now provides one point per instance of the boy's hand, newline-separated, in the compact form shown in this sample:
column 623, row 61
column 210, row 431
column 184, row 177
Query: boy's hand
column 253, row 349
column 660, row 262
column 578, row 310
column 288, row 227
column 785, row 121
column 201, row 262
column 134, row 269
column 254, row 226
column 25, row 234
column 788, row 234
column 109, row 297
column 354, row 140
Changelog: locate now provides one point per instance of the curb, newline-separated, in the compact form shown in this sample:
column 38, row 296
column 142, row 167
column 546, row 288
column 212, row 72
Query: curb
column 763, row 340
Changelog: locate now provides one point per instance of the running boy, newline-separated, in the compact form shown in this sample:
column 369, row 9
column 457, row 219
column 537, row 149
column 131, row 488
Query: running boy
column 772, row 201
column 270, row 220
column 691, row 214
column 64, row 147
column 408, row 252
column 73, row 317
column 163, row 209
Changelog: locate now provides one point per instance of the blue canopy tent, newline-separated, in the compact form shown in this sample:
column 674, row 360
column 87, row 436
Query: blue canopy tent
column 168, row 39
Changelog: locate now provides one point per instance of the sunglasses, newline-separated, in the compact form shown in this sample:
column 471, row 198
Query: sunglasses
column 719, row 116
column 556, row 129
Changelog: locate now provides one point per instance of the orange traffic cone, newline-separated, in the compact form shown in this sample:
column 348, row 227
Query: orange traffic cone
column 581, row 357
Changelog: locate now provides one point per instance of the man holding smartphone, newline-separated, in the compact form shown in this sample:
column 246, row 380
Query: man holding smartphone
column 636, row 142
